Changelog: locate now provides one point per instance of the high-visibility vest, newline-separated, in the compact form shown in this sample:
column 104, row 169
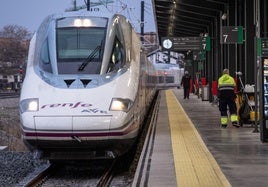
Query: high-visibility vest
column 226, row 82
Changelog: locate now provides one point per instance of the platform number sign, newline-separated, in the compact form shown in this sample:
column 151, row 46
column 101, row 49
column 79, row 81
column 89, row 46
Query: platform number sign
column 206, row 43
column 231, row 34
column 264, row 47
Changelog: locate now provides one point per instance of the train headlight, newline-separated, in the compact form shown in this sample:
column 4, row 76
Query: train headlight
column 120, row 104
column 29, row 105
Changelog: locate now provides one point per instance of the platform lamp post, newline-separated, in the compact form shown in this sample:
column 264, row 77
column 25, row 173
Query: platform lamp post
column 258, row 87
column 88, row 5
column 257, row 60
column 142, row 22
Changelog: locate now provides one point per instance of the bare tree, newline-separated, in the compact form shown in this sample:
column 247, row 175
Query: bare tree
column 14, row 43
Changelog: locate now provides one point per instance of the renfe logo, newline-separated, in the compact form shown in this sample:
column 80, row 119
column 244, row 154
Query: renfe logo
column 65, row 105
column 85, row 106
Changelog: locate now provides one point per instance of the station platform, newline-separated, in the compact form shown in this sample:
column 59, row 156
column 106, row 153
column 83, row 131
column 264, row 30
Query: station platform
column 187, row 147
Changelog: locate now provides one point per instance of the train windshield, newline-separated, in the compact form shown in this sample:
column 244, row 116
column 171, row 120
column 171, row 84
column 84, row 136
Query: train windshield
column 79, row 45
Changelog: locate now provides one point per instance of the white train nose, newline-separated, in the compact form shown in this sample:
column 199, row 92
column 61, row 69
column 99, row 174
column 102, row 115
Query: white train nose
column 72, row 123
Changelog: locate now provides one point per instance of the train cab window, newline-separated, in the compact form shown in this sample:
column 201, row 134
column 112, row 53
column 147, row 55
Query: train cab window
column 79, row 45
column 117, row 57
column 76, row 45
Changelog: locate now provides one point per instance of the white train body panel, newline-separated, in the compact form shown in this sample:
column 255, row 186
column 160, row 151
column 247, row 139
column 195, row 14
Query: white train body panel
column 72, row 85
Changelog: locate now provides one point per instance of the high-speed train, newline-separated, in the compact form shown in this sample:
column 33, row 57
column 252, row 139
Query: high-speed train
column 87, row 87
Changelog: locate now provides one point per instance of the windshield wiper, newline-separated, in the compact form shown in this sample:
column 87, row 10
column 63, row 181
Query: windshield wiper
column 90, row 57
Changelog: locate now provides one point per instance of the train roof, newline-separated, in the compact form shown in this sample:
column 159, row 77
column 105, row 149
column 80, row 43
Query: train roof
column 80, row 14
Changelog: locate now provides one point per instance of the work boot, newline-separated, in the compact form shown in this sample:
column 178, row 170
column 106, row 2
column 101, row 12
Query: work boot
column 235, row 123
column 223, row 126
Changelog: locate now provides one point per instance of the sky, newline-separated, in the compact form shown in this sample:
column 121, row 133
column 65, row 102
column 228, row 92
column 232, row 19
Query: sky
column 30, row 13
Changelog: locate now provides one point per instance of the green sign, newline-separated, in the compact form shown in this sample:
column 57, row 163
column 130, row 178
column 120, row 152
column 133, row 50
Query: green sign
column 240, row 35
column 199, row 55
column 206, row 43
column 200, row 66
column 203, row 56
column 259, row 47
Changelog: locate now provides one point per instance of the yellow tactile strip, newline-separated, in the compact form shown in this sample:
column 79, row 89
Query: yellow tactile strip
column 194, row 164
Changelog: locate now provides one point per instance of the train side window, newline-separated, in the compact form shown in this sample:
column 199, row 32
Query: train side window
column 117, row 57
column 44, row 53
column 46, row 65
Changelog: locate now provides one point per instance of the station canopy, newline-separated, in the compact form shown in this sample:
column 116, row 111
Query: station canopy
column 187, row 18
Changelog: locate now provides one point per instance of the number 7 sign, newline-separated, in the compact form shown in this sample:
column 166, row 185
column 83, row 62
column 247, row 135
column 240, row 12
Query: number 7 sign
column 231, row 34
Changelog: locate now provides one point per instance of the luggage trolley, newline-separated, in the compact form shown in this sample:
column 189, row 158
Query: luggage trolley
column 245, row 103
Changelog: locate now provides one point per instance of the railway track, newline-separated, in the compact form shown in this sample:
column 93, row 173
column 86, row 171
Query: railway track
column 98, row 173
column 6, row 95
column 36, row 178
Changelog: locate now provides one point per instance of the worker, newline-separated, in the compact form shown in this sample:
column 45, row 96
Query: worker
column 226, row 95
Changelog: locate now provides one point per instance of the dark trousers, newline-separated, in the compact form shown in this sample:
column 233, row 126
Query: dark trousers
column 186, row 92
column 223, row 103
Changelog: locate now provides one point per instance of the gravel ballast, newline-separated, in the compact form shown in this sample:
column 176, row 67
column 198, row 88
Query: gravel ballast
column 16, row 162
